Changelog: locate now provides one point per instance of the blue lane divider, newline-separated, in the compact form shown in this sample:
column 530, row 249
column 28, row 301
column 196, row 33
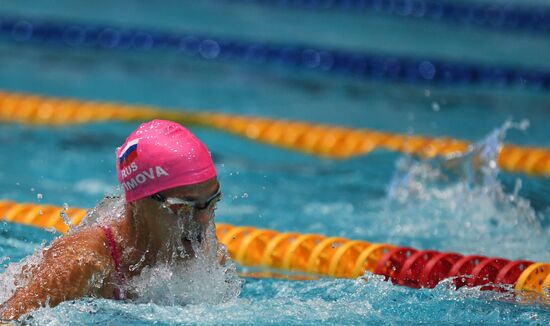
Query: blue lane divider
column 360, row 65
column 494, row 16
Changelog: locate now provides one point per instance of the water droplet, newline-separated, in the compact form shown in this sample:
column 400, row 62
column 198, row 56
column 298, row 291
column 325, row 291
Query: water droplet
column 245, row 195
column 65, row 217
column 436, row 107
column 523, row 124
column 39, row 196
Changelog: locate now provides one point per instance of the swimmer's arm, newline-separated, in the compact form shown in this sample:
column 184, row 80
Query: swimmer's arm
column 64, row 273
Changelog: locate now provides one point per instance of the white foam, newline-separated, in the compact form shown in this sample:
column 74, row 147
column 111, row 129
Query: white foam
column 461, row 202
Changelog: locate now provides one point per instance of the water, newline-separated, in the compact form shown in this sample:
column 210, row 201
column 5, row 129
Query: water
column 382, row 197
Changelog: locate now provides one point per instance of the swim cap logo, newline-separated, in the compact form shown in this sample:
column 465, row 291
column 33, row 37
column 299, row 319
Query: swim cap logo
column 128, row 154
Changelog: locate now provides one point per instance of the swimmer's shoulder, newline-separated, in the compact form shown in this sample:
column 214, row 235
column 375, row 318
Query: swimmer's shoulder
column 89, row 240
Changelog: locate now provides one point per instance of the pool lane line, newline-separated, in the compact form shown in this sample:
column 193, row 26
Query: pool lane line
column 493, row 16
column 327, row 141
column 337, row 257
column 358, row 65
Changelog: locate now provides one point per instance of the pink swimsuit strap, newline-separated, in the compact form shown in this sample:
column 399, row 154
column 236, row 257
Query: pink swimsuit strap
column 115, row 254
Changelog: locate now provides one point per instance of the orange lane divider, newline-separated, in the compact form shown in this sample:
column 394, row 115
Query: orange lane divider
column 317, row 139
column 335, row 256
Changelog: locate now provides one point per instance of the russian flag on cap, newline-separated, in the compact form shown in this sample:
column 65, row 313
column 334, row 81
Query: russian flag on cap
column 129, row 153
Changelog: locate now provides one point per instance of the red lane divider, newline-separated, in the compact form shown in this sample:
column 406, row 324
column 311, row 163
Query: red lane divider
column 426, row 268
column 510, row 273
column 438, row 268
column 486, row 272
column 462, row 269
column 390, row 264
column 412, row 268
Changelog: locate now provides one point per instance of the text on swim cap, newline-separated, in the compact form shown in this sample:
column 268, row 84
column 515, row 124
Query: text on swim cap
column 143, row 176
column 129, row 169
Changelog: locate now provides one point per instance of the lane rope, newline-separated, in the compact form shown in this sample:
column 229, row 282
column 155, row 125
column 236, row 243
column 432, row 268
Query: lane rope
column 337, row 257
column 316, row 139
column 519, row 18
column 360, row 65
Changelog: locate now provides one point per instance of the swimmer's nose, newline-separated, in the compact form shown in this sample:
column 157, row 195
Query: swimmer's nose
column 202, row 216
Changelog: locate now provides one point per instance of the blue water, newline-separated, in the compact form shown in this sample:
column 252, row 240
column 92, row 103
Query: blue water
column 381, row 197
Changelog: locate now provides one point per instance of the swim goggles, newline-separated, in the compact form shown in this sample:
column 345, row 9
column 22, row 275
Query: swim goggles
column 187, row 208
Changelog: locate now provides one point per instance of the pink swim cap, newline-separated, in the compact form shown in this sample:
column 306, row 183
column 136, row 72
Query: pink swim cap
column 160, row 155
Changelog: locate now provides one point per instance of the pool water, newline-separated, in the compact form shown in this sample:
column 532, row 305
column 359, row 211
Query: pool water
column 382, row 197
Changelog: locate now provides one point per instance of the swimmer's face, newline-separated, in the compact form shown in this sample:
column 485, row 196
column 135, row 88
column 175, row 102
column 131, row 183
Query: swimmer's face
column 203, row 196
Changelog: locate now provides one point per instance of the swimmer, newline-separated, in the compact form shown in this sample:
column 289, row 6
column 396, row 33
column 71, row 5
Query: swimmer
column 171, row 192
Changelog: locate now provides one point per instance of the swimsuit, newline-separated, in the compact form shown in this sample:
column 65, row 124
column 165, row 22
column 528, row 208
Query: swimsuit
column 119, row 276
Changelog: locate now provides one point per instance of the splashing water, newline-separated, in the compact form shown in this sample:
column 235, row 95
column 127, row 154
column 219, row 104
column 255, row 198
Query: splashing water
column 66, row 219
column 327, row 301
column 199, row 280
column 467, row 206
column 107, row 210
column 17, row 274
